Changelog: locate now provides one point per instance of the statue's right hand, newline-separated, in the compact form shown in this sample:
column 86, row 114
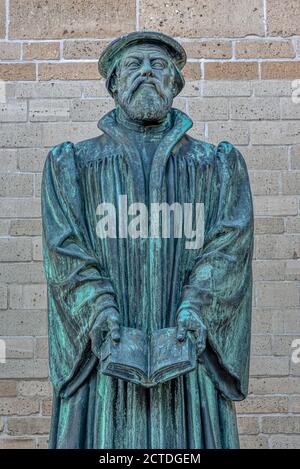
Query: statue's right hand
column 108, row 321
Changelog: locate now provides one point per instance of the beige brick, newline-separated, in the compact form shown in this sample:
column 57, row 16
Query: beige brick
column 292, row 321
column 267, row 321
column 206, row 109
column 16, row 272
column 295, row 157
column 17, row 443
column 248, row 425
column 18, row 71
column 34, row 297
column 48, row 90
column 16, row 185
column 263, row 404
column 253, row 442
column 90, row 109
column 3, row 296
column 37, row 249
column 16, row 406
column 261, row 345
column 277, row 294
column 41, row 50
column 192, row 71
column 198, row 130
column 28, row 425
column 264, row 182
column 97, row 89
column 295, row 404
column 254, row 109
column 34, row 389
column 23, row 323
column 41, row 347
column 234, row 132
column 32, row 159
column 291, row 182
column 289, row 109
column 269, row 366
column 37, row 193
column 42, row 443
column 275, row 205
column 29, row 227
column 59, row 132
column 190, row 17
column 280, row 70
column 226, row 88
column 47, row 407
column 274, row 385
column 8, row 159
column 2, row 18
column 68, row 71
column 272, row 88
column 41, row 368
column 10, row 51
column 208, row 49
column 38, row 19
column 8, row 388
column 282, row 17
column 292, row 270
column 20, row 135
column 285, row 442
column 264, row 49
column 17, row 207
column 15, row 250
column 271, row 226
column 83, row 49
column 191, row 89
column 277, row 246
column 230, row 70
column 51, row 110
column 19, row 347
column 13, row 111
column 282, row 344
column 292, row 224
column 272, row 133
column 266, row 157
column 4, row 227
column 16, row 368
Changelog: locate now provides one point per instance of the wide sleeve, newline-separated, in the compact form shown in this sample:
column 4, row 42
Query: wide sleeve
column 78, row 286
column 219, row 286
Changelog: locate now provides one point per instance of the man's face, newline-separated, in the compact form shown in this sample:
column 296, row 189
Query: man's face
column 145, row 83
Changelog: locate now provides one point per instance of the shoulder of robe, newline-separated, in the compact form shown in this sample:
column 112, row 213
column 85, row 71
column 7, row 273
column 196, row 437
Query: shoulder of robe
column 197, row 149
column 229, row 154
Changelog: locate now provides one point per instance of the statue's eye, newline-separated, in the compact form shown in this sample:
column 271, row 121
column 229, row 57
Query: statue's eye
column 158, row 64
column 133, row 63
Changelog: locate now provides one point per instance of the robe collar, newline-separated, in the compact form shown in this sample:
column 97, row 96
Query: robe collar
column 119, row 133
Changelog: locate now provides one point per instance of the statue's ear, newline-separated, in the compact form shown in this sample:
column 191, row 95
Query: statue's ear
column 111, row 81
column 179, row 80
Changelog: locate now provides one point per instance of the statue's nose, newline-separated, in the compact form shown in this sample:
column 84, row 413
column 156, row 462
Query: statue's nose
column 147, row 70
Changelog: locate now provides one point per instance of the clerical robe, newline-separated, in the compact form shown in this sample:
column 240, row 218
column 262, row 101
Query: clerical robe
column 148, row 279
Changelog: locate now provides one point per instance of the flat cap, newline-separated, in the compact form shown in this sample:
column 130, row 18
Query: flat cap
column 108, row 56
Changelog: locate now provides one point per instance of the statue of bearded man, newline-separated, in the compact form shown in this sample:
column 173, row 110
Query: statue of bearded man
column 97, row 285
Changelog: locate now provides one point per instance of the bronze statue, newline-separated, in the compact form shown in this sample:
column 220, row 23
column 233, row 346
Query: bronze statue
column 127, row 292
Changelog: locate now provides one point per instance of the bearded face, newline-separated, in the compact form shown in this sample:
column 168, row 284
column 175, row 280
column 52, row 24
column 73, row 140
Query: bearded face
column 145, row 83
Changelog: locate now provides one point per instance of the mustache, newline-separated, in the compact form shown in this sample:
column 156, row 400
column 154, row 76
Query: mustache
column 139, row 81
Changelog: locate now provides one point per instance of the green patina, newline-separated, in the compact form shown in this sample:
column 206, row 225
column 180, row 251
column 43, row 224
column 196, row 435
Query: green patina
column 145, row 152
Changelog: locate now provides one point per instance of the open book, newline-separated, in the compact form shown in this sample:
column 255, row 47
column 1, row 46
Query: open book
column 147, row 359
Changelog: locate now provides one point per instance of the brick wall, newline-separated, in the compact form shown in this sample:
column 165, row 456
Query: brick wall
column 242, row 58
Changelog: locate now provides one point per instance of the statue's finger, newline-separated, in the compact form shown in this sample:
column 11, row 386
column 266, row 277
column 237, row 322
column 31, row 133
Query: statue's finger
column 114, row 328
column 181, row 332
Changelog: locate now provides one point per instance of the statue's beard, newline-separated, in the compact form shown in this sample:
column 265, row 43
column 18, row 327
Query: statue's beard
column 144, row 102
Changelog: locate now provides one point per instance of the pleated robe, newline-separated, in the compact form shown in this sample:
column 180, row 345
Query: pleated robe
column 147, row 280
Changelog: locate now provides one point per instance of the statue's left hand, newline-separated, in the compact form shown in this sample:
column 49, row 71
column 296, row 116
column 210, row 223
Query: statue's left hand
column 188, row 320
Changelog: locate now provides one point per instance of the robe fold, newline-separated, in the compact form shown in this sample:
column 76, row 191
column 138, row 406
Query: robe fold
column 148, row 280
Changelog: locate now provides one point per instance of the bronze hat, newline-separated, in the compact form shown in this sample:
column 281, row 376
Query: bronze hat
column 108, row 56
